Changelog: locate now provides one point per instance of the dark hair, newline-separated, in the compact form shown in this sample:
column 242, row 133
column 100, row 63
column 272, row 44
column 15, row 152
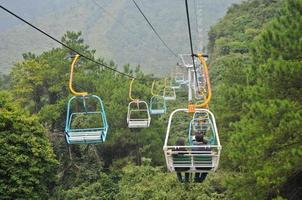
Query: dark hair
column 199, row 137
column 180, row 142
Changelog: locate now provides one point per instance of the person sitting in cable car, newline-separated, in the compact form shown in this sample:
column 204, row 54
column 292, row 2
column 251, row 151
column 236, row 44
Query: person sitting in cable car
column 199, row 140
column 181, row 142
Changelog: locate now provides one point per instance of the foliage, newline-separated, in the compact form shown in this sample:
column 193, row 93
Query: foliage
column 260, row 101
column 104, row 188
column 27, row 162
column 4, row 81
column 146, row 182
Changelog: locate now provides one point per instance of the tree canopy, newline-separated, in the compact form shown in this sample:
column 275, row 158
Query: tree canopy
column 27, row 162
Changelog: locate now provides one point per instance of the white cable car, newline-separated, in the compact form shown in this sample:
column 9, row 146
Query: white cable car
column 193, row 158
column 169, row 94
column 138, row 115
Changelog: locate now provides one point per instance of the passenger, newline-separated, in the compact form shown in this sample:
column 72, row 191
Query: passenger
column 181, row 142
column 199, row 140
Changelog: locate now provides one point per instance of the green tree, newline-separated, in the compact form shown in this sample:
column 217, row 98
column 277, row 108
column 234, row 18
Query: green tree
column 104, row 188
column 27, row 162
column 146, row 182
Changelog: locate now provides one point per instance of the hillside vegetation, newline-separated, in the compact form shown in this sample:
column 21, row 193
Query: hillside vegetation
column 256, row 69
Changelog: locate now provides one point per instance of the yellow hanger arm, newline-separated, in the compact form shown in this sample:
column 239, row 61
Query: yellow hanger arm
column 130, row 91
column 152, row 89
column 75, row 93
column 208, row 98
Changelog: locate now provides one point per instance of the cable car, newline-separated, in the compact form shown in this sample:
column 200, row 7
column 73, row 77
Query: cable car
column 169, row 92
column 193, row 158
column 179, row 78
column 174, row 84
column 86, row 121
column 138, row 115
column 157, row 103
column 87, row 124
column 202, row 123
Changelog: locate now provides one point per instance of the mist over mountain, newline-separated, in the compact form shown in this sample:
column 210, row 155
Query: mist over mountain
column 118, row 33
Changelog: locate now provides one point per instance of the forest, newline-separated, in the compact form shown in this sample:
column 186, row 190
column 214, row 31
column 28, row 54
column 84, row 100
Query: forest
column 255, row 64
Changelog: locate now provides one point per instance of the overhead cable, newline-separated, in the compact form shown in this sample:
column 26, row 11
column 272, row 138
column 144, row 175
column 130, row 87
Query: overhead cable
column 196, row 25
column 64, row 45
column 156, row 33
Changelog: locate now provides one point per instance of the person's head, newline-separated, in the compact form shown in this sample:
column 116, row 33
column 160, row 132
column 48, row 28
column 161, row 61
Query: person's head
column 180, row 142
column 199, row 137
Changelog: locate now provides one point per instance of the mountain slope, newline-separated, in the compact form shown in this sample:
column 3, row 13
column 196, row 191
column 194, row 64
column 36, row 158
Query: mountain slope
column 136, row 44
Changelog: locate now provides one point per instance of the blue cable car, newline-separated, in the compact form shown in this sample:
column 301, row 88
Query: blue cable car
column 157, row 105
column 169, row 92
column 86, row 121
column 201, row 122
